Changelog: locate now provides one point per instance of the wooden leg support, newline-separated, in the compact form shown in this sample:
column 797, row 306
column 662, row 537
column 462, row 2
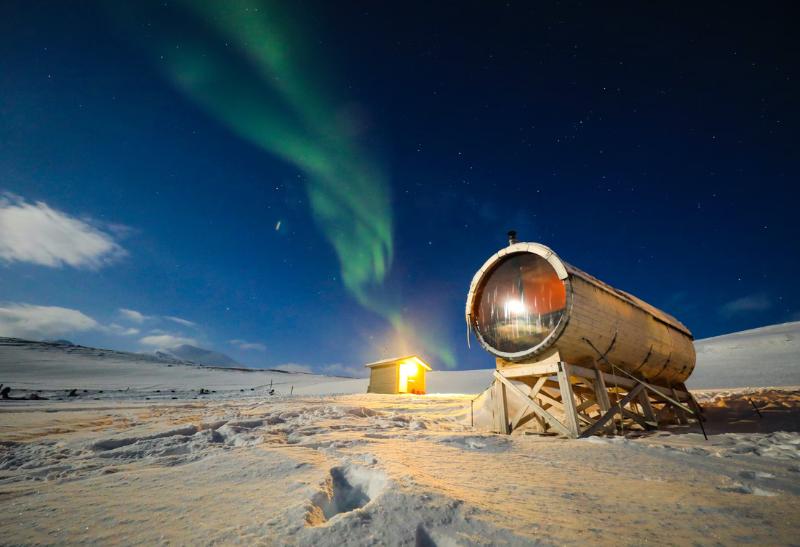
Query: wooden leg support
column 574, row 401
column 568, row 400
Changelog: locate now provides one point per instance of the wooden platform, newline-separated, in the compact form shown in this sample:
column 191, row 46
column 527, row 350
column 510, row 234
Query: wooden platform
column 576, row 401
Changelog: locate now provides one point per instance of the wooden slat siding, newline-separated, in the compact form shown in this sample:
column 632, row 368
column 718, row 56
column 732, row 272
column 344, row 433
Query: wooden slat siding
column 383, row 379
column 602, row 315
column 635, row 334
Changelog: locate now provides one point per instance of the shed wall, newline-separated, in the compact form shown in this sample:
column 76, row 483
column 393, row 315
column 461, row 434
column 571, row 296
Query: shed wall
column 383, row 379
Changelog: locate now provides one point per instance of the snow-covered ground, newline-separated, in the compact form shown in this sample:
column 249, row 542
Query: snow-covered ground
column 387, row 470
column 130, row 461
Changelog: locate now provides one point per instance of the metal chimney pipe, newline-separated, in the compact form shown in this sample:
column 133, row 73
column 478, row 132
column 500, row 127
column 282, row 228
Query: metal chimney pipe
column 512, row 237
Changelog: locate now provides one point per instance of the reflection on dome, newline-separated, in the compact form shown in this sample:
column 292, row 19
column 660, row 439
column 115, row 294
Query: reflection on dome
column 519, row 303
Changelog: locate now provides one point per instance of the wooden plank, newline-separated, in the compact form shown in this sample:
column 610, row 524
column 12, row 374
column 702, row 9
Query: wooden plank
column 647, row 408
column 549, row 418
column 537, row 369
column 601, row 394
column 524, row 409
column 568, row 400
column 601, row 422
column 658, row 392
column 601, row 391
column 698, row 412
column 679, row 410
column 501, row 415
column 609, row 378
column 543, row 395
column 639, row 419
column 588, row 403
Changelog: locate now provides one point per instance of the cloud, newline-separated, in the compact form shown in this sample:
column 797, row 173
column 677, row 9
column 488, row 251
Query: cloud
column 39, row 234
column 746, row 304
column 294, row 367
column 114, row 328
column 133, row 315
column 167, row 341
column 180, row 321
column 245, row 345
column 29, row 321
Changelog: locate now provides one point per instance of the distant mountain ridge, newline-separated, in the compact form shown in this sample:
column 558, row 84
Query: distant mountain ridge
column 59, row 342
column 200, row 356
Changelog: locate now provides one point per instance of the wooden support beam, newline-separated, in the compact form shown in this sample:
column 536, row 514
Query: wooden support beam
column 601, row 422
column 609, row 378
column 518, row 371
column 568, row 400
column 679, row 409
column 545, row 391
column 586, row 404
column 696, row 409
column 658, row 391
column 501, row 409
column 555, row 403
column 543, row 395
column 504, row 410
column 601, row 392
column 647, row 408
column 549, row 418
column 531, row 395
column 639, row 419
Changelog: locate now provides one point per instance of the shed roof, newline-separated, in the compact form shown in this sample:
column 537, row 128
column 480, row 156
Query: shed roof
column 398, row 360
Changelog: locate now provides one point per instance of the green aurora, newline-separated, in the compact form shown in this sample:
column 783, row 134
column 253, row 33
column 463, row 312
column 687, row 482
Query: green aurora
column 250, row 68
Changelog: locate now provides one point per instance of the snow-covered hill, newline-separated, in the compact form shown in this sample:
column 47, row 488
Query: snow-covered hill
column 200, row 356
column 767, row 356
column 54, row 369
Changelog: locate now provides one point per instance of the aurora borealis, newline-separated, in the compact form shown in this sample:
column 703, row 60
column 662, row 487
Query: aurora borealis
column 256, row 73
column 244, row 75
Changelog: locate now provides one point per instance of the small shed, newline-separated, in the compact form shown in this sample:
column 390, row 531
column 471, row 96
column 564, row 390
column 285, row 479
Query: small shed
column 398, row 375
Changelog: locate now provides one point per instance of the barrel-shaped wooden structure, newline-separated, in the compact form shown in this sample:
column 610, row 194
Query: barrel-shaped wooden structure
column 525, row 304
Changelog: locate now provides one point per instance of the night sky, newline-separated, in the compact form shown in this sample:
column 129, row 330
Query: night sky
column 316, row 183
